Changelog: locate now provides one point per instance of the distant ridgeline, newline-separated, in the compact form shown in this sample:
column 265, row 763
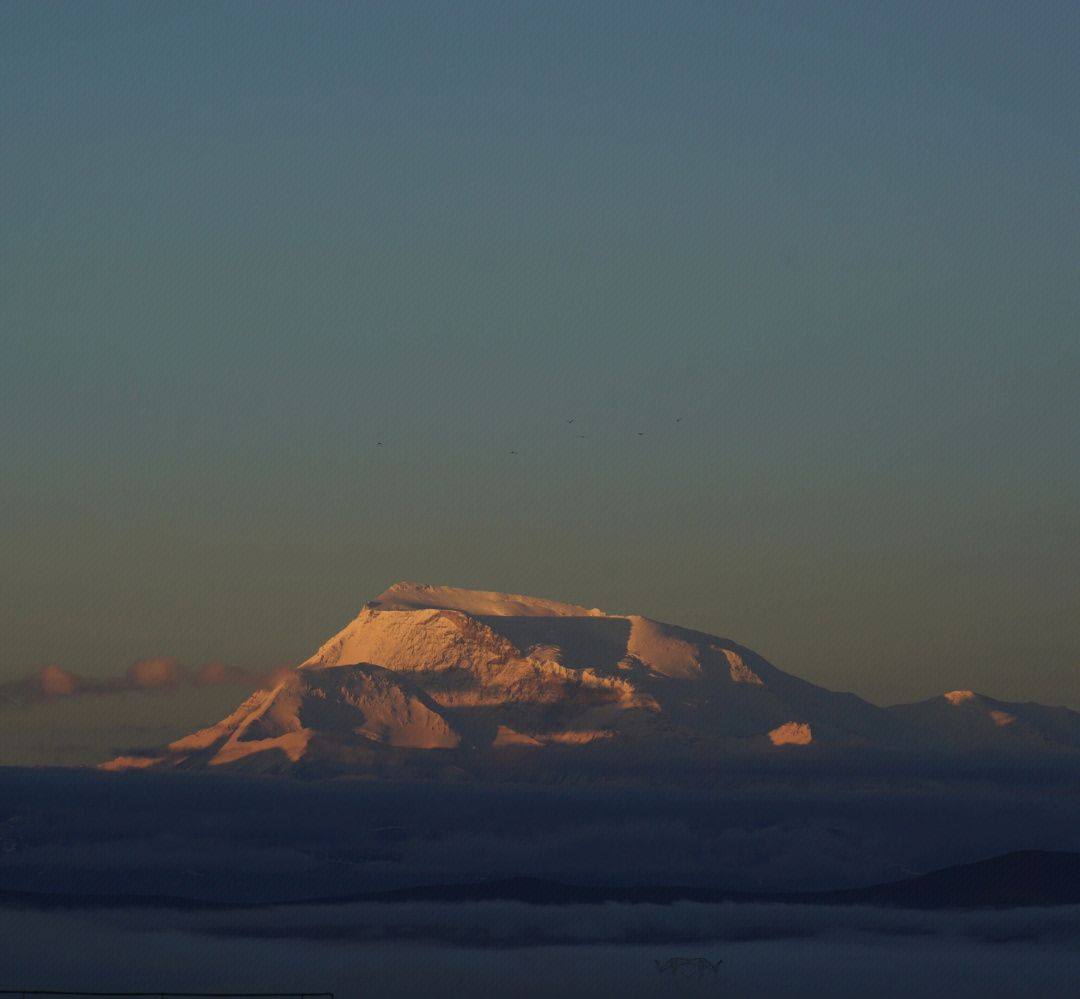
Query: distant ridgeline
column 1016, row 880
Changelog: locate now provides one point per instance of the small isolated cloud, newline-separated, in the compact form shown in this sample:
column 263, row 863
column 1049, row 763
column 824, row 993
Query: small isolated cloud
column 216, row 674
column 270, row 679
column 47, row 684
column 154, row 674
column 52, row 681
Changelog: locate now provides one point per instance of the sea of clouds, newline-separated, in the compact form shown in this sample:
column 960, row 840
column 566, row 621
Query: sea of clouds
column 270, row 840
column 625, row 951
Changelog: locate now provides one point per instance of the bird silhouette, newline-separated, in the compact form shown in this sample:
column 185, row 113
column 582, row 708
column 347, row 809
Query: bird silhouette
column 641, row 435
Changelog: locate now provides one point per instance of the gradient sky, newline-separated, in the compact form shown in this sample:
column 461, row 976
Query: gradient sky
column 243, row 243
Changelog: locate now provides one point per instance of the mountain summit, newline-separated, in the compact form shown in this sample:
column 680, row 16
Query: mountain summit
column 436, row 681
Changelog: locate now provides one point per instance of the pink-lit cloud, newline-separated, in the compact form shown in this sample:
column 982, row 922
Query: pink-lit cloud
column 157, row 673
column 52, row 681
column 154, row 674
column 271, row 678
column 216, row 674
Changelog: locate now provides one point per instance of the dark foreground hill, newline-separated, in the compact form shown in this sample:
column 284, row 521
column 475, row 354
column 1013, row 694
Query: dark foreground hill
column 1020, row 879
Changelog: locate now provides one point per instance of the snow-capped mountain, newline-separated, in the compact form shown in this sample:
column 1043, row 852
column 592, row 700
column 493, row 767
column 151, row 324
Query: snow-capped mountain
column 434, row 678
column 965, row 720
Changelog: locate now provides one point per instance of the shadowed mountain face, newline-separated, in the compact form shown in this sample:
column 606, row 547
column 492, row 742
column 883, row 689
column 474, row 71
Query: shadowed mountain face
column 436, row 680
column 966, row 720
column 1017, row 879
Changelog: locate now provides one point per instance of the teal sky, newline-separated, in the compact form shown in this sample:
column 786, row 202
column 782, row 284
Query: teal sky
column 242, row 244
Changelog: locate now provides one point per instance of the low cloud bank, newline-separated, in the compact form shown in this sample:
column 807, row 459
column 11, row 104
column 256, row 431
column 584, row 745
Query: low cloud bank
column 52, row 682
column 504, row 924
column 150, row 950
